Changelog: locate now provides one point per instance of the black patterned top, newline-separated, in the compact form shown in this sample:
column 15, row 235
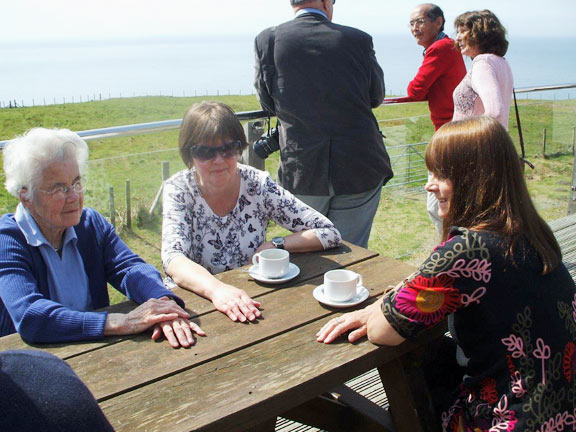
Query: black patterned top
column 515, row 330
column 220, row 243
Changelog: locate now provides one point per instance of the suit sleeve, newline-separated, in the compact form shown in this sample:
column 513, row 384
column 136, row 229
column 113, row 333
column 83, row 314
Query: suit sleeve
column 264, row 74
column 377, row 87
column 431, row 69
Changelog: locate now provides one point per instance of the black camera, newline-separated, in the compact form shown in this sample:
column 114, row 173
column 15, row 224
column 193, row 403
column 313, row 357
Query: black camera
column 267, row 144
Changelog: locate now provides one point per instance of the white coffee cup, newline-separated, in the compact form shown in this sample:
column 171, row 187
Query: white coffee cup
column 341, row 285
column 272, row 263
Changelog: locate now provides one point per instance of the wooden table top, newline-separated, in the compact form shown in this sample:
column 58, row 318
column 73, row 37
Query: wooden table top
column 240, row 374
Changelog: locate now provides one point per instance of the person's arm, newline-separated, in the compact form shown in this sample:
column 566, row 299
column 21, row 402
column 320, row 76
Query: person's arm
column 264, row 72
column 159, row 307
column 368, row 321
column 228, row 299
column 311, row 231
column 177, row 234
column 125, row 270
column 451, row 278
column 377, row 86
column 485, row 84
column 433, row 66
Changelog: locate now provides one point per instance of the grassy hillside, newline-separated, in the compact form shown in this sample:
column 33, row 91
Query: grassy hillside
column 401, row 228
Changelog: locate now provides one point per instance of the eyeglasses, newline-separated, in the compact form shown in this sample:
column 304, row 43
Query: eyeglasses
column 417, row 22
column 206, row 153
column 62, row 191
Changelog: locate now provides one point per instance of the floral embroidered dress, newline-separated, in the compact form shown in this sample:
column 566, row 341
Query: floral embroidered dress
column 515, row 331
column 220, row 243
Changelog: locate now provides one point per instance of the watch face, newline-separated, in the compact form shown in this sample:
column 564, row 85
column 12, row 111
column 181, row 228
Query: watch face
column 278, row 242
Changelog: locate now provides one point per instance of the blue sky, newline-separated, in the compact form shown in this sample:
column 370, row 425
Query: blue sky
column 30, row 20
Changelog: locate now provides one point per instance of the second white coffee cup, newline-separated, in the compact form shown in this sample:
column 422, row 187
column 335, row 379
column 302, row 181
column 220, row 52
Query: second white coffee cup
column 272, row 263
column 341, row 285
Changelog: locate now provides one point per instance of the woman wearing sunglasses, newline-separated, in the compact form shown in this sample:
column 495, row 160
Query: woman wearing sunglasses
column 217, row 211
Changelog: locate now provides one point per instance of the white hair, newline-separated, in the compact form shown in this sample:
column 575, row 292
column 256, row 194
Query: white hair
column 27, row 156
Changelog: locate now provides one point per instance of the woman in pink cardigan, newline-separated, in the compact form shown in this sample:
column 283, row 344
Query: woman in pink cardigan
column 487, row 88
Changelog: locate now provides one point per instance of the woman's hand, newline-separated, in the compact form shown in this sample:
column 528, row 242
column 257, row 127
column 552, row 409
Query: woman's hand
column 235, row 303
column 264, row 246
column 177, row 332
column 369, row 321
column 146, row 315
column 355, row 321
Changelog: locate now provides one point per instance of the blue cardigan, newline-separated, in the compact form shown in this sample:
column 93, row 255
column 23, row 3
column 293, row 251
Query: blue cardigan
column 25, row 304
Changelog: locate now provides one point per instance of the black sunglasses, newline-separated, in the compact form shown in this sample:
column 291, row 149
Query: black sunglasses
column 227, row 150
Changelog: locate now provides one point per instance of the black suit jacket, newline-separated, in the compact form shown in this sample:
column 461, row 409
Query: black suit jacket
column 322, row 80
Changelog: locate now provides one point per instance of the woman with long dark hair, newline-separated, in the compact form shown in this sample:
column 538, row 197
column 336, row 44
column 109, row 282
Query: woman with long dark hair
column 498, row 278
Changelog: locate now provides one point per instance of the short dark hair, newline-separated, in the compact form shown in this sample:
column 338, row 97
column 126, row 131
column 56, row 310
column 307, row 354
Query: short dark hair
column 488, row 189
column 485, row 32
column 205, row 123
column 300, row 2
column 434, row 12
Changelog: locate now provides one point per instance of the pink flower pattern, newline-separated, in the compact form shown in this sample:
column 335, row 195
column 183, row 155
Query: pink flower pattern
column 504, row 419
column 515, row 345
column 479, row 270
column 428, row 300
column 517, row 386
column 542, row 352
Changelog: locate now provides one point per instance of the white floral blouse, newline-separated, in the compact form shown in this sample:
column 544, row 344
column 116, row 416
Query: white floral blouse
column 221, row 243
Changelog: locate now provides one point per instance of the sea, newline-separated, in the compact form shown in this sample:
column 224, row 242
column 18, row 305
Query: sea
column 50, row 72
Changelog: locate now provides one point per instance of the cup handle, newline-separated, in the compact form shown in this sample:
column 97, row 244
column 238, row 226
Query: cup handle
column 359, row 283
column 255, row 258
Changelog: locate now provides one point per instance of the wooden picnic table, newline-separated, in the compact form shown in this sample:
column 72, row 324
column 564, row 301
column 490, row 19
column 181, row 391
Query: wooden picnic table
column 242, row 376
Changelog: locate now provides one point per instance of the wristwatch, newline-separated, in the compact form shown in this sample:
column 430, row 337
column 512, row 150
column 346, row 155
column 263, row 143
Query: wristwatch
column 278, row 242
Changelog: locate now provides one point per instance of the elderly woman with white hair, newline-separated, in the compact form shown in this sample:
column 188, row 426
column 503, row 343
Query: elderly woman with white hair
column 56, row 257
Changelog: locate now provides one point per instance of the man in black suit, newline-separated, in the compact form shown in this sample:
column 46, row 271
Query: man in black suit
column 322, row 80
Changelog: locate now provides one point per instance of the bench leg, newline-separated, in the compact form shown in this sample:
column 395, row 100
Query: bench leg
column 327, row 412
column 410, row 402
column 266, row 426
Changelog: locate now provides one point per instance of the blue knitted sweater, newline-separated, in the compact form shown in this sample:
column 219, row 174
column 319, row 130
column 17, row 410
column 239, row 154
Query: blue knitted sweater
column 25, row 304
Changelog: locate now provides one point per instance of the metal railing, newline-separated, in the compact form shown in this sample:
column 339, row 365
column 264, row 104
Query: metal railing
column 158, row 126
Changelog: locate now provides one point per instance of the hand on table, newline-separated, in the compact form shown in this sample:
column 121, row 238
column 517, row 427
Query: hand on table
column 177, row 332
column 355, row 321
column 163, row 314
column 338, row 326
column 235, row 303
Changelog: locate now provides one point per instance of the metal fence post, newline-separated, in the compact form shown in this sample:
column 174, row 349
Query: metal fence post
column 572, row 201
column 544, row 143
column 112, row 209
column 128, row 205
column 165, row 175
column 253, row 131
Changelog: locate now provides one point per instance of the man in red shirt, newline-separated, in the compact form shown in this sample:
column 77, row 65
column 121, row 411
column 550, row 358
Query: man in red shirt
column 442, row 68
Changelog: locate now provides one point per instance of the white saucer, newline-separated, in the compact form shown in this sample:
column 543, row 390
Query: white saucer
column 293, row 271
column 362, row 294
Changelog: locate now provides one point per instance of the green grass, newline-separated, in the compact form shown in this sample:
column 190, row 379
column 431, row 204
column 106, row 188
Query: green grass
column 401, row 228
